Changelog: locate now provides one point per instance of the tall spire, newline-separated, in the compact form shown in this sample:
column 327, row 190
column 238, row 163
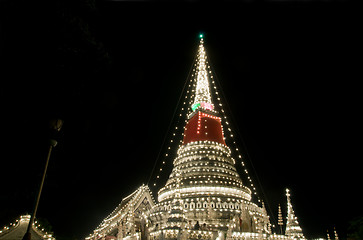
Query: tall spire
column 202, row 95
column 203, row 124
column 293, row 228
column 280, row 220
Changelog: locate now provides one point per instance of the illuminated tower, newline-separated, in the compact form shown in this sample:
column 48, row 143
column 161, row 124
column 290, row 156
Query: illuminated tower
column 204, row 196
column 204, row 178
column 204, row 161
column 293, row 228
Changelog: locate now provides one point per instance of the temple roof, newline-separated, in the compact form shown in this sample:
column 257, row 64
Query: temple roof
column 17, row 230
column 135, row 202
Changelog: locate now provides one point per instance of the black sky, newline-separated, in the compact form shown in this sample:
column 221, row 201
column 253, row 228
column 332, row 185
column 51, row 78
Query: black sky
column 114, row 71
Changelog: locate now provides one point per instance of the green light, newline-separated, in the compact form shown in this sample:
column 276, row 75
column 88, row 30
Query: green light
column 200, row 35
column 195, row 106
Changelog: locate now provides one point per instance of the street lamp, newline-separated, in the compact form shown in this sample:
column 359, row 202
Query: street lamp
column 55, row 125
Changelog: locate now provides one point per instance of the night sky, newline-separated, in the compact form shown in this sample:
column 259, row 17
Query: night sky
column 114, row 71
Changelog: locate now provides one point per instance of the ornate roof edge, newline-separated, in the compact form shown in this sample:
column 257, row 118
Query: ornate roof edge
column 22, row 222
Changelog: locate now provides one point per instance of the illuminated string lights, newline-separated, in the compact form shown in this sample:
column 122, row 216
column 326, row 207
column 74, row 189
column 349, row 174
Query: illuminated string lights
column 230, row 133
column 178, row 131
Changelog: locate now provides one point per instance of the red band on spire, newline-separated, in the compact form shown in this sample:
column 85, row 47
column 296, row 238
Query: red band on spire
column 203, row 127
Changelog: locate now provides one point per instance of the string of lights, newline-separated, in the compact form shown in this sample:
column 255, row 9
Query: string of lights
column 176, row 133
column 231, row 138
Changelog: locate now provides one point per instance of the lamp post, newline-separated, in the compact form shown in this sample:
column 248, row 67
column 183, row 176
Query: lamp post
column 55, row 126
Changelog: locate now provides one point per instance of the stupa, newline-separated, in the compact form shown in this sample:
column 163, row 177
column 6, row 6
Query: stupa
column 204, row 196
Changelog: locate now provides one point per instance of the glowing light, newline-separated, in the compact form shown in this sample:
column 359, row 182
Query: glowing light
column 208, row 106
column 195, row 106
column 204, row 105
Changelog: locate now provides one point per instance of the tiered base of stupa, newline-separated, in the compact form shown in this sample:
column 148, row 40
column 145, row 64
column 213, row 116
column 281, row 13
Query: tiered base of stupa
column 213, row 202
column 138, row 217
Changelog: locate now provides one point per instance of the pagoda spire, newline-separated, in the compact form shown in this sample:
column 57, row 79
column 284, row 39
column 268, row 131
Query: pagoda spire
column 280, row 220
column 293, row 228
column 202, row 91
column 204, row 124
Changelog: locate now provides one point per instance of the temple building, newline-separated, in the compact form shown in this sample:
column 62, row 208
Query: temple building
column 204, row 196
